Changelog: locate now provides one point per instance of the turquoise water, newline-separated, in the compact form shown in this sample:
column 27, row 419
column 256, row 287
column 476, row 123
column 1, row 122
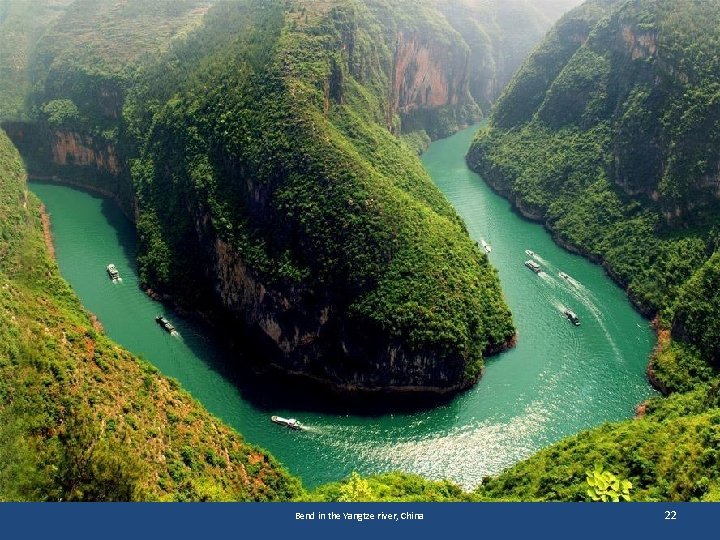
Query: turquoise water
column 559, row 379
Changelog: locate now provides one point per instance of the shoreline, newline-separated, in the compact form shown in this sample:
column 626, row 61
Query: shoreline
column 53, row 179
column 536, row 217
column 47, row 232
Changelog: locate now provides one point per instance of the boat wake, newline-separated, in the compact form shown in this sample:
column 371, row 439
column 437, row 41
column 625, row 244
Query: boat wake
column 317, row 430
column 588, row 300
column 539, row 259
column 583, row 295
column 547, row 278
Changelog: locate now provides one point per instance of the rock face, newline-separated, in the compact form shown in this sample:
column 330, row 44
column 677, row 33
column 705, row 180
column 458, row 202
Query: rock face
column 301, row 337
column 430, row 87
column 427, row 76
column 448, row 73
column 75, row 158
column 74, row 149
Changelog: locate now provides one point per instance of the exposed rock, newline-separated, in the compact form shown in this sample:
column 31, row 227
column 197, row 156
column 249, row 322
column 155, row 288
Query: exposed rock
column 71, row 148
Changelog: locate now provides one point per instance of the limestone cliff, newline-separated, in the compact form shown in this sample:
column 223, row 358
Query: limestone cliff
column 430, row 84
column 76, row 158
column 448, row 71
column 299, row 337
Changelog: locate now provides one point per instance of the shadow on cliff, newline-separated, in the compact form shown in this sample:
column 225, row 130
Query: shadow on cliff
column 123, row 228
column 272, row 390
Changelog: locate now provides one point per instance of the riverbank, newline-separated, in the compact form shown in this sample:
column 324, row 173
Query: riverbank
column 557, row 381
column 499, row 187
column 47, row 232
column 54, row 179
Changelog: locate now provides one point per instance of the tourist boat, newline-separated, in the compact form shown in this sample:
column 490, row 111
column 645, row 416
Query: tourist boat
column 564, row 275
column 165, row 324
column 287, row 422
column 486, row 246
column 113, row 272
column 535, row 267
column 572, row 317
column 529, row 253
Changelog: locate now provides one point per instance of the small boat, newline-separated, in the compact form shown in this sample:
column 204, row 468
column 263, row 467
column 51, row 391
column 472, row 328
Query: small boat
column 287, row 422
column 535, row 267
column 529, row 253
column 572, row 317
column 486, row 246
column 165, row 324
column 564, row 275
column 113, row 272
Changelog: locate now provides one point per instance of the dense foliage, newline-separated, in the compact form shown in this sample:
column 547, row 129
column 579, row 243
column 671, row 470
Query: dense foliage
column 389, row 487
column 277, row 141
column 608, row 134
column 82, row 419
column 614, row 149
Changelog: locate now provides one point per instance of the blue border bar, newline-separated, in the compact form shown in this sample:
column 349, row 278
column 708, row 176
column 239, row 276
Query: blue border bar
column 50, row 521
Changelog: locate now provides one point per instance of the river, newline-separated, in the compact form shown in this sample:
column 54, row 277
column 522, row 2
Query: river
column 558, row 380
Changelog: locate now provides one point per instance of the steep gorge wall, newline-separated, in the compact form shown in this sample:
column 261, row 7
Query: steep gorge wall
column 430, row 85
column 448, row 70
column 74, row 157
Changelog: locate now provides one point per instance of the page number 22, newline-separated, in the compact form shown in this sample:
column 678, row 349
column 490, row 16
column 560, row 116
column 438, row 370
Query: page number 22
column 670, row 514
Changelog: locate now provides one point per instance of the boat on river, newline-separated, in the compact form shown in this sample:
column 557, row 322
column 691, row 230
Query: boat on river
column 529, row 253
column 486, row 246
column 113, row 272
column 535, row 267
column 287, row 422
column 572, row 317
column 165, row 324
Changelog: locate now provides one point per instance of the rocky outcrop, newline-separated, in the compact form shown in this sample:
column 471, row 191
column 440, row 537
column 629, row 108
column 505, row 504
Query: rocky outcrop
column 72, row 148
column 427, row 75
column 296, row 331
column 74, row 158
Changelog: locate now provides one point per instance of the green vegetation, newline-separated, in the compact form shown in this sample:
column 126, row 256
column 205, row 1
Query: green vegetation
column 608, row 134
column 671, row 453
column 279, row 145
column 390, row 487
column 82, row 419
column 267, row 127
column 21, row 28
column 606, row 487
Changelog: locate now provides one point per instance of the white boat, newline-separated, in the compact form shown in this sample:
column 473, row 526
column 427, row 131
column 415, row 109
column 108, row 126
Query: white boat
column 564, row 275
column 535, row 267
column 287, row 422
column 529, row 253
column 113, row 272
column 485, row 245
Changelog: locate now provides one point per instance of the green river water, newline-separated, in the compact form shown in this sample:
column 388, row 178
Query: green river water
column 560, row 379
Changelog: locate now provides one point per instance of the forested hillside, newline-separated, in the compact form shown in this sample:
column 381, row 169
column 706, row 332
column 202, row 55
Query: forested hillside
column 275, row 166
column 82, row 419
column 266, row 151
column 103, row 77
column 608, row 135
